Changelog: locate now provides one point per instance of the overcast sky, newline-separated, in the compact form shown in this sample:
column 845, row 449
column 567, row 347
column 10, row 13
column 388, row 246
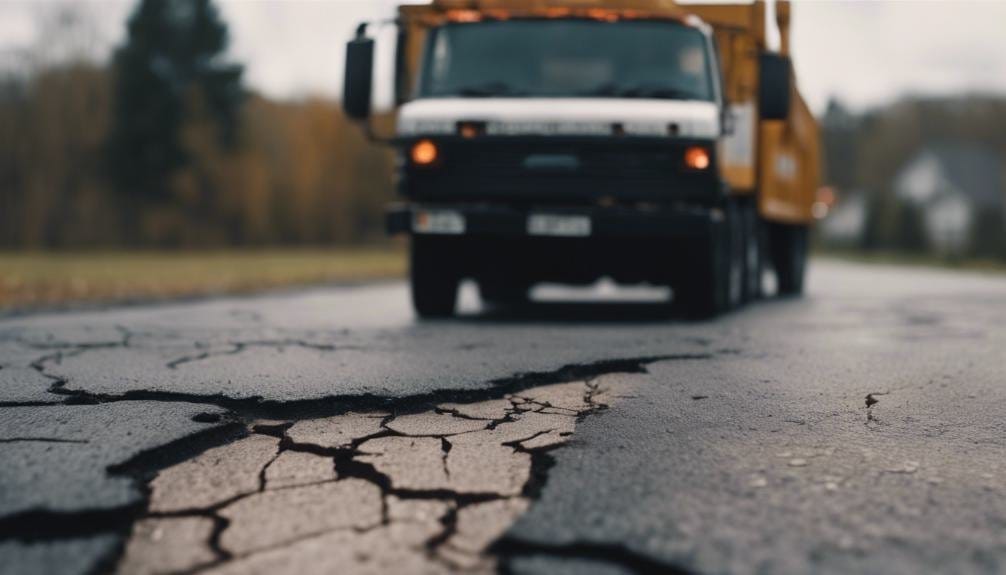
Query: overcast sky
column 865, row 52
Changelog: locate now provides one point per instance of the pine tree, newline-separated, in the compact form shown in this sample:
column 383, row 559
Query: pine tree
column 173, row 47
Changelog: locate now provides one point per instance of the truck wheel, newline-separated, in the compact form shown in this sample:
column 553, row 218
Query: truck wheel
column 753, row 250
column 701, row 289
column 735, row 256
column 788, row 244
column 434, row 279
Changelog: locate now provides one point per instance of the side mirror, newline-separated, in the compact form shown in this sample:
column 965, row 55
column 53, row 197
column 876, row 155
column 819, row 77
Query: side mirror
column 774, row 86
column 357, row 84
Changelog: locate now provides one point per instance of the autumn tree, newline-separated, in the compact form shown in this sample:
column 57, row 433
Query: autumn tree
column 54, row 108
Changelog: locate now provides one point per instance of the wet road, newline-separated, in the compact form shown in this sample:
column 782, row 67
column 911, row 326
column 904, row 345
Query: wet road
column 860, row 429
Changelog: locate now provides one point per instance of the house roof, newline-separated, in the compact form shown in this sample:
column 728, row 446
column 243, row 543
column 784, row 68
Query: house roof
column 973, row 170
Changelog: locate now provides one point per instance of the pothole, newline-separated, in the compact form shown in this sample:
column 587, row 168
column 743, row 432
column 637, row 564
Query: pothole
column 363, row 492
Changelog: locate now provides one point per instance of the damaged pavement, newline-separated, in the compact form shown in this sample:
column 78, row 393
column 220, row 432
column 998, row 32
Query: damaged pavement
column 366, row 492
column 328, row 430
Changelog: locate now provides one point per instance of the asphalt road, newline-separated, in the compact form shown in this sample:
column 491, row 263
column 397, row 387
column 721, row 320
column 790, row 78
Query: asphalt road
column 861, row 428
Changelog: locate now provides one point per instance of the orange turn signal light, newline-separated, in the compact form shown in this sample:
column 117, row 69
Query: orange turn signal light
column 697, row 158
column 424, row 153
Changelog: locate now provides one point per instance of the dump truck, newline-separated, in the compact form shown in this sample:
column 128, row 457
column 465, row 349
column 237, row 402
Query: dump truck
column 565, row 141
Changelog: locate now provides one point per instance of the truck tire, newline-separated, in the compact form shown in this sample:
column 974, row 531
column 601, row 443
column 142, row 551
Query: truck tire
column 736, row 247
column 788, row 245
column 434, row 278
column 701, row 291
column 753, row 251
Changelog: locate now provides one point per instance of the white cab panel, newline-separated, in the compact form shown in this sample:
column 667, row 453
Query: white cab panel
column 561, row 116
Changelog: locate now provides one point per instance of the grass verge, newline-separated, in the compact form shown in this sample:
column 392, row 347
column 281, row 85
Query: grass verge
column 989, row 265
column 30, row 280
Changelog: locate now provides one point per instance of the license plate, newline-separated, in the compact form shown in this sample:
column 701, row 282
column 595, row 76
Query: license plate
column 555, row 225
column 438, row 222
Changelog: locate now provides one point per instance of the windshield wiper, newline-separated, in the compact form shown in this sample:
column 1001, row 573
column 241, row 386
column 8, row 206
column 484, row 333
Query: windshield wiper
column 643, row 91
column 487, row 90
column 660, row 92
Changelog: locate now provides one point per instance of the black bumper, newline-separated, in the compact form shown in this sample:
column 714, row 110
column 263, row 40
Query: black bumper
column 611, row 222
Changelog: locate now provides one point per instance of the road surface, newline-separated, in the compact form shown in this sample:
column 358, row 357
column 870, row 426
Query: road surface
column 861, row 429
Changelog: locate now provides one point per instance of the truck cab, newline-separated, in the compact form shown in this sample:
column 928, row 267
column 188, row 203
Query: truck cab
column 539, row 141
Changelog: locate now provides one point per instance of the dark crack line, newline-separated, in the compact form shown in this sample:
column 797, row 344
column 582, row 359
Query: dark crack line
column 229, row 556
column 445, row 448
column 125, row 341
column 516, row 444
column 220, row 524
column 173, row 364
column 146, row 464
column 871, row 398
column 46, row 525
column 449, row 527
column 510, row 548
column 57, row 383
column 256, row 407
column 871, row 401
column 241, row 346
column 350, row 467
column 262, row 481
column 459, row 415
column 277, row 430
column 347, row 466
column 41, row 440
column 336, row 452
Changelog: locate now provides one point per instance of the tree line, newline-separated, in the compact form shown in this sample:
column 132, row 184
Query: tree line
column 165, row 147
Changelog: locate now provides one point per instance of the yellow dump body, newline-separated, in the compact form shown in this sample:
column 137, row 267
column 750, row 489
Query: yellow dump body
column 777, row 160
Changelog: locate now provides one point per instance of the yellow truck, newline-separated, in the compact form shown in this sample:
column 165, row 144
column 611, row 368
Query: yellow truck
column 569, row 140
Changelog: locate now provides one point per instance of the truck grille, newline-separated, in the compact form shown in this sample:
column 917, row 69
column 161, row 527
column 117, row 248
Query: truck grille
column 544, row 170
column 507, row 161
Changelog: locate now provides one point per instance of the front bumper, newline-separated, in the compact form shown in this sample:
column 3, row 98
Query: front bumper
column 612, row 222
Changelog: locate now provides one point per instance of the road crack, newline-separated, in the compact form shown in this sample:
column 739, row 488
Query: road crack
column 604, row 553
column 257, row 407
column 235, row 348
column 40, row 440
column 871, row 401
column 525, row 416
column 439, row 498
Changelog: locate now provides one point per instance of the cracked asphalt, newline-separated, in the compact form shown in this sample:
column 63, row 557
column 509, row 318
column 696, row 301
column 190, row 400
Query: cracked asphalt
column 861, row 429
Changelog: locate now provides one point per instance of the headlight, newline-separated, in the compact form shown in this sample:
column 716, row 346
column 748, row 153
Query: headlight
column 697, row 158
column 424, row 153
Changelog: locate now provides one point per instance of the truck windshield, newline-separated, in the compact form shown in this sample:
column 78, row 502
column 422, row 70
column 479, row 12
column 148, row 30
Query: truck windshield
column 568, row 58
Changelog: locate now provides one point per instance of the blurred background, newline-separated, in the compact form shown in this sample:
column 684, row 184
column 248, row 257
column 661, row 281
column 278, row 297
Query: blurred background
column 153, row 147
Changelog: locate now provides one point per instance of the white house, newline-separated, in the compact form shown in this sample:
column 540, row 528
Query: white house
column 951, row 184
